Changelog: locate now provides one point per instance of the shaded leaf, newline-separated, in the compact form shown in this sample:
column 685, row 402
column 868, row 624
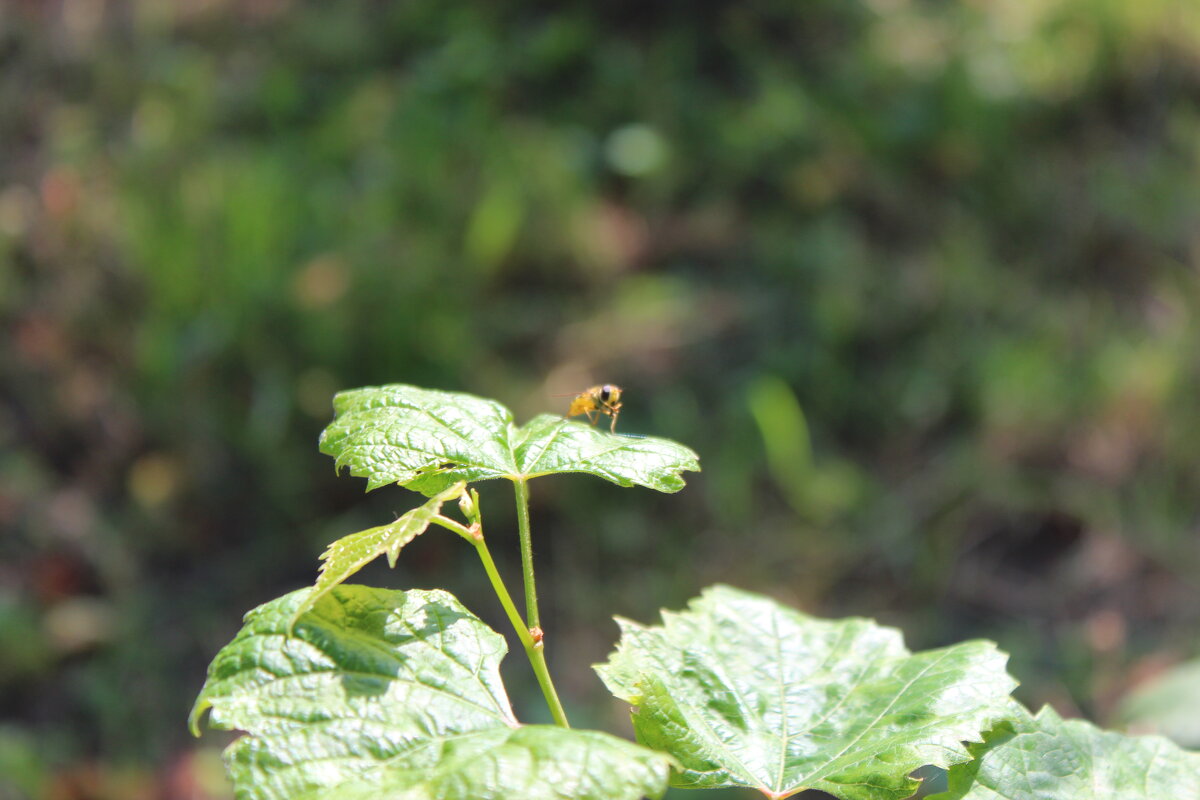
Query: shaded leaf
column 746, row 692
column 399, row 692
column 428, row 440
column 1047, row 758
column 351, row 553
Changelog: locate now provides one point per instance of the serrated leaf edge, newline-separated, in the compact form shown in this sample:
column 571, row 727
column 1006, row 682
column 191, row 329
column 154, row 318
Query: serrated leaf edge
column 983, row 719
column 430, row 508
column 514, row 437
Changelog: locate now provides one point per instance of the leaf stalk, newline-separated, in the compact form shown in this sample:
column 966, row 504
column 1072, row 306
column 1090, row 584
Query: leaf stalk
column 533, row 647
column 521, row 489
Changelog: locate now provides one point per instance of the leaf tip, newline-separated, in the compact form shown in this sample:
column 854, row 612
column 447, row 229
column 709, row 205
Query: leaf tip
column 202, row 705
column 626, row 624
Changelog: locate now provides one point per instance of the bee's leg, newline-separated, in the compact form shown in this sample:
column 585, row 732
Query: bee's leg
column 612, row 412
column 593, row 416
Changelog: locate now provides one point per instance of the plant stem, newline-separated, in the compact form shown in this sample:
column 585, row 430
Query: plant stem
column 533, row 649
column 521, row 488
column 457, row 527
column 533, row 646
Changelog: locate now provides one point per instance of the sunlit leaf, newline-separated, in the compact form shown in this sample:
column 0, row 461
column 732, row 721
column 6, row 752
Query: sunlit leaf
column 535, row 762
column 746, row 692
column 1047, row 758
column 428, row 440
column 351, row 553
column 396, row 694
column 406, row 435
column 549, row 444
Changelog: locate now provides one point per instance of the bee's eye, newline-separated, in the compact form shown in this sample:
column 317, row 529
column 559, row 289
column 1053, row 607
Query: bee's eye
column 605, row 393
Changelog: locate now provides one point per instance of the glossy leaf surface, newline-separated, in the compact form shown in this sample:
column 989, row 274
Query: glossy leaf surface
column 1047, row 758
column 746, row 692
column 536, row 762
column 428, row 440
column 400, row 692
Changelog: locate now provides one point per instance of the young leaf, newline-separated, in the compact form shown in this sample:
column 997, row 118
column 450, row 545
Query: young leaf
column 396, row 694
column 428, row 440
column 351, row 553
column 406, row 435
column 746, row 692
column 1046, row 758
column 549, row 444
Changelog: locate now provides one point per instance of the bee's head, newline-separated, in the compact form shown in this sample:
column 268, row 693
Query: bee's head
column 609, row 393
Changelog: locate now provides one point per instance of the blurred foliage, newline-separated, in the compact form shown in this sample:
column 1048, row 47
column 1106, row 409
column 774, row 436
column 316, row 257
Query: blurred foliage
column 1168, row 704
column 918, row 280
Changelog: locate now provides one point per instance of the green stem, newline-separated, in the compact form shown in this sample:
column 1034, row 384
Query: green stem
column 457, row 527
column 531, row 608
column 533, row 649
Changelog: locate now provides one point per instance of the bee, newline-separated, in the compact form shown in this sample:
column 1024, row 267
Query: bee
column 598, row 400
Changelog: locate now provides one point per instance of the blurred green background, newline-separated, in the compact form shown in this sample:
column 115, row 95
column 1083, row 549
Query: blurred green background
column 918, row 280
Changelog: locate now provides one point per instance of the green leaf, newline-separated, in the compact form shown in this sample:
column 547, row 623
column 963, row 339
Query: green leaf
column 1046, row 758
column 396, row 694
column 1169, row 704
column 427, row 440
column 536, row 762
column 351, row 553
column 746, row 692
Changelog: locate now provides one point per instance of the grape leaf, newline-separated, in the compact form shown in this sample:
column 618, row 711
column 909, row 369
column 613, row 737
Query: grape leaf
column 397, row 694
column 746, row 692
column 427, row 440
column 536, row 762
column 1047, row 758
column 351, row 553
